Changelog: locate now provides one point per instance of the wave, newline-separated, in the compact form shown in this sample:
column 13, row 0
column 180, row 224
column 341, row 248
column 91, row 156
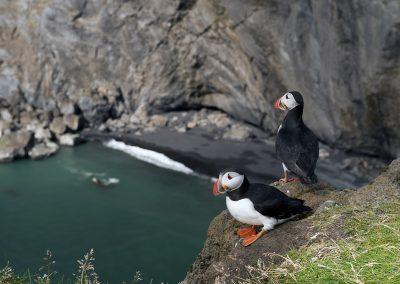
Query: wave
column 149, row 156
column 113, row 180
column 84, row 173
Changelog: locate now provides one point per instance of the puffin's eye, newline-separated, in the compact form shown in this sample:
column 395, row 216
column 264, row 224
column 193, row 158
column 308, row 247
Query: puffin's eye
column 287, row 97
column 229, row 177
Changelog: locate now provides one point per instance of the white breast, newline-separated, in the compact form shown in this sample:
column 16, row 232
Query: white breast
column 243, row 211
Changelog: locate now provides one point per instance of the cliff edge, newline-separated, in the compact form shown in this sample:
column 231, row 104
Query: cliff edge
column 352, row 222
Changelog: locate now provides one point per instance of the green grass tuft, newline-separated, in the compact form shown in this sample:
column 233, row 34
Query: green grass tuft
column 369, row 252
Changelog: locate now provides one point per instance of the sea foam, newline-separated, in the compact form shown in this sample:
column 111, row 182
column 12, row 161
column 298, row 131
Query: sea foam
column 149, row 156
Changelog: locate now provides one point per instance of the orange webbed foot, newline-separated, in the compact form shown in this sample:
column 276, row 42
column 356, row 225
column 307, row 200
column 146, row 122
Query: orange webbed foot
column 246, row 232
column 249, row 240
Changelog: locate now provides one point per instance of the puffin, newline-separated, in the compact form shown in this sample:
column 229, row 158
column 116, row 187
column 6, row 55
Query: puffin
column 296, row 145
column 256, row 204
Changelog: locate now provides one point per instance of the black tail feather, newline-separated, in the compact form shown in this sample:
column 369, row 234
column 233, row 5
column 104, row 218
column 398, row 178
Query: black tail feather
column 312, row 179
column 298, row 207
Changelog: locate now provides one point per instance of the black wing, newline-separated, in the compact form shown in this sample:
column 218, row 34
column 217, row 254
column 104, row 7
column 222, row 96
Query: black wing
column 307, row 160
column 269, row 201
column 299, row 151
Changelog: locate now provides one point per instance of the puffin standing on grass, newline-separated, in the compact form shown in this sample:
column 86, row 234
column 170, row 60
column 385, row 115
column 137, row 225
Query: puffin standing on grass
column 256, row 204
column 296, row 145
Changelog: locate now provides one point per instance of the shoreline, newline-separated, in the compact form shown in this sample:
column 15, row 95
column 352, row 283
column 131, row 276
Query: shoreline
column 207, row 156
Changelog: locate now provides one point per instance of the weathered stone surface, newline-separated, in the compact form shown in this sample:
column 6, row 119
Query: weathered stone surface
column 95, row 109
column 158, row 121
column 221, row 120
column 43, row 150
column 26, row 117
column 233, row 55
column 42, row 134
column 115, row 125
column 6, row 115
column 238, row 133
column 191, row 124
column 69, row 139
column 67, row 108
column 73, row 121
column 14, row 145
column 140, row 116
column 4, row 127
column 57, row 126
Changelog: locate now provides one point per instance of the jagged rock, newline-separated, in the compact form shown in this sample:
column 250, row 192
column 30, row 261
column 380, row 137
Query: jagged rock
column 220, row 120
column 4, row 127
column 125, row 119
column 57, row 126
column 26, row 107
column 26, row 117
column 14, row 145
column 42, row 133
column 33, row 125
column 181, row 129
column 69, row 139
column 6, row 115
column 238, row 133
column 67, row 108
column 191, row 124
column 45, row 117
column 115, row 125
column 43, row 150
column 158, row 121
column 140, row 116
column 73, row 121
column 95, row 109
column 117, row 110
column 102, row 127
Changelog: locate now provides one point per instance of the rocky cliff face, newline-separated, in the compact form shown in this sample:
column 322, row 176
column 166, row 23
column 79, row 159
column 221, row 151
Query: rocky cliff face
column 104, row 59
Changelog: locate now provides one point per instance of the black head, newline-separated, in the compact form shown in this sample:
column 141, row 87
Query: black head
column 298, row 97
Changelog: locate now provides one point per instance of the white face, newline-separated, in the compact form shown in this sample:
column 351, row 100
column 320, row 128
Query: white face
column 288, row 102
column 231, row 180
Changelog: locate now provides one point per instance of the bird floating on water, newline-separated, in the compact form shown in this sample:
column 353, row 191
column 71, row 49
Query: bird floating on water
column 296, row 145
column 104, row 182
column 256, row 204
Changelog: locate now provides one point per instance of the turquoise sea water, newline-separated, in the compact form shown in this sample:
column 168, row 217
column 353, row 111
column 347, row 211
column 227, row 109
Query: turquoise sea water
column 154, row 220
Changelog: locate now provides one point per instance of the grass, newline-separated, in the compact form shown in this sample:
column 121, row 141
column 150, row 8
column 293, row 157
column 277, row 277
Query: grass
column 86, row 273
column 369, row 252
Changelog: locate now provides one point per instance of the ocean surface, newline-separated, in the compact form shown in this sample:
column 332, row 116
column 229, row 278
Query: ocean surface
column 149, row 219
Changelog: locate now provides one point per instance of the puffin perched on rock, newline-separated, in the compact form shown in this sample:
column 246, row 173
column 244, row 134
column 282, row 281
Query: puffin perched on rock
column 256, row 204
column 296, row 145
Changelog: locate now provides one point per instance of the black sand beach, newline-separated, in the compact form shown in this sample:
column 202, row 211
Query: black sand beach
column 207, row 156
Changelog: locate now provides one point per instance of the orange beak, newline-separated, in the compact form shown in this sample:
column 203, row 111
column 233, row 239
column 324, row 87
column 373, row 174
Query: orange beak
column 279, row 105
column 215, row 189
